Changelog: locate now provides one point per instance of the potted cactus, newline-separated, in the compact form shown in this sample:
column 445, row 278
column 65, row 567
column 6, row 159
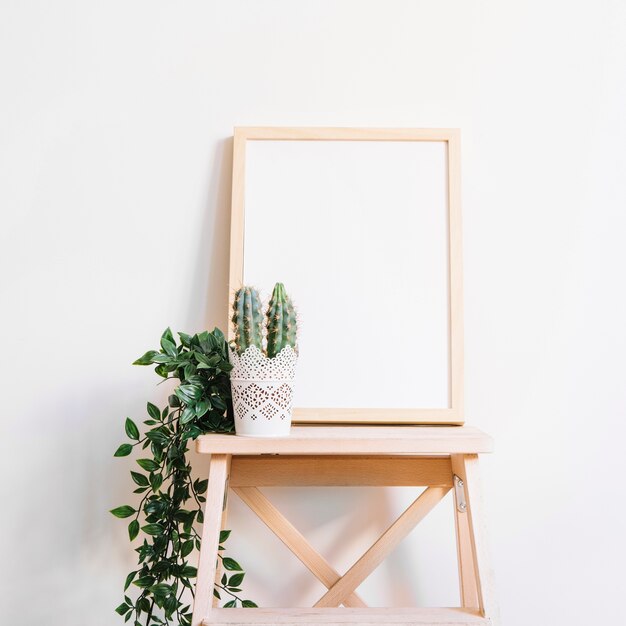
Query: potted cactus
column 264, row 363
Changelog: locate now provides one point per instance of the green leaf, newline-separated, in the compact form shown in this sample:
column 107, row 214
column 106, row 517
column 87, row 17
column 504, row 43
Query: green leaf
column 123, row 511
column 231, row 564
column 216, row 593
column 230, row 604
column 131, row 429
column 201, row 487
column 189, row 571
column 158, row 436
column 202, row 407
column 124, row 450
column 156, row 481
column 161, row 590
column 153, row 411
column 140, row 479
column 218, row 403
column 129, row 579
column 155, row 507
column 182, row 515
column 133, row 530
column 162, row 566
column 189, row 370
column 224, row 535
column 194, row 390
column 186, row 549
column 187, row 415
column 207, row 343
column 122, row 608
column 161, row 358
column 167, row 334
column 148, row 464
column 248, row 604
column 235, row 580
column 173, row 401
column 170, row 605
column 153, row 529
column 201, row 358
column 185, row 339
column 169, row 347
column 144, row 582
column 146, row 359
column 214, row 359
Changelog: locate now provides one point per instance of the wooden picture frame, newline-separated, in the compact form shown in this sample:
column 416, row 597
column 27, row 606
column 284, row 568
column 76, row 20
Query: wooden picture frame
column 450, row 138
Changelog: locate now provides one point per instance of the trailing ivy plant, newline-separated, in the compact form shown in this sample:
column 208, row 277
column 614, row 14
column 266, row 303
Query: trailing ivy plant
column 172, row 501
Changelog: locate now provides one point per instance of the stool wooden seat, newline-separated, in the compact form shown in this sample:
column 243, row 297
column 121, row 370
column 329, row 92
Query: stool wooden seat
column 440, row 458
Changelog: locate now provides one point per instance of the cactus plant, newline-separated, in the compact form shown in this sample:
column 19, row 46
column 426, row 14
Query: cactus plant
column 282, row 326
column 247, row 319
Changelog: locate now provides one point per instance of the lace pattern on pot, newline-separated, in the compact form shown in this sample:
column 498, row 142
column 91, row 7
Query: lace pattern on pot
column 252, row 364
column 262, row 400
column 262, row 388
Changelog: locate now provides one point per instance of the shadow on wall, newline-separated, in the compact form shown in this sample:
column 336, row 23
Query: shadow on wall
column 208, row 301
column 209, row 294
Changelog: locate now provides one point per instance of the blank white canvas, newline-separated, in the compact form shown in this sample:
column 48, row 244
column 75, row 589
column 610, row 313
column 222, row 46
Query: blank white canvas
column 358, row 233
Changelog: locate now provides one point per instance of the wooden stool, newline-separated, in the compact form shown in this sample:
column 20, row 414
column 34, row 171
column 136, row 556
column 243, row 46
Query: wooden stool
column 438, row 457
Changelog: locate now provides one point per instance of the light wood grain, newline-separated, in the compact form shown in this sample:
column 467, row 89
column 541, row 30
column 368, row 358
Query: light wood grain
column 218, row 471
column 466, row 467
column 382, row 547
column 465, row 555
column 477, row 587
column 363, row 440
column 456, row 276
column 236, row 222
column 294, row 540
column 314, row 133
column 218, row 568
column 375, row 415
column 335, row 471
column 363, row 617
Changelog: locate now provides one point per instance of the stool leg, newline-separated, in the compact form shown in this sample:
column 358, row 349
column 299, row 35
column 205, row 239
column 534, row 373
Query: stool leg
column 207, row 562
column 465, row 551
column 218, row 568
column 477, row 585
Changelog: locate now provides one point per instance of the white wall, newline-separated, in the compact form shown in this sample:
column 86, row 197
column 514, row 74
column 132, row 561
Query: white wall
column 114, row 160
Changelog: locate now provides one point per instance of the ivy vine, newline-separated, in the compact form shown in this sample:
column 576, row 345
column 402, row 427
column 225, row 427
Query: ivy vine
column 171, row 503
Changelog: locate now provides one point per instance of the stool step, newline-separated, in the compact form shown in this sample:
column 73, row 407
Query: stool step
column 341, row 616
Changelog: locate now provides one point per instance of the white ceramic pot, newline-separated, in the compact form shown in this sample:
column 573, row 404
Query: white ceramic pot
column 262, row 391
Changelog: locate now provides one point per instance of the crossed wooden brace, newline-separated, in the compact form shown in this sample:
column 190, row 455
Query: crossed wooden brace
column 440, row 460
column 340, row 588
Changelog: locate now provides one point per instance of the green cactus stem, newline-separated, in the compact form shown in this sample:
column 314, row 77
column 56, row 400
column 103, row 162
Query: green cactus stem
column 282, row 325
column 247, row 319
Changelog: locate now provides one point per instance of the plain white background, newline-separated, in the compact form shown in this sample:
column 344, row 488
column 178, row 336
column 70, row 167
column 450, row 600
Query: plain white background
column 356, row 231
column 115, row 172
